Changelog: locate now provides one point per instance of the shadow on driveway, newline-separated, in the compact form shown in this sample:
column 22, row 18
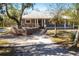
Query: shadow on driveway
column 39, row 50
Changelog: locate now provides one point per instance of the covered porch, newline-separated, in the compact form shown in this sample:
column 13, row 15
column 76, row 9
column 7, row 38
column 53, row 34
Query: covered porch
column 36, row 19
column 34, row 22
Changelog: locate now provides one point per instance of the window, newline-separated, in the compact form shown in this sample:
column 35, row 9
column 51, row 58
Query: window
column 27, row 21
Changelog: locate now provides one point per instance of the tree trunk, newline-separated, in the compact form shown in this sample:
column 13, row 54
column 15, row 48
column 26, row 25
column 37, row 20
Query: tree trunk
column 76, row 40
column 23, row 8
column 74, row 45
column 55, row 34
column 19, row 26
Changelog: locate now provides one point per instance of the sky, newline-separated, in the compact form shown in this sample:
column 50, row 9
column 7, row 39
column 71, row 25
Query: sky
column 39, row 6
column 43, row 6
column 48, row 6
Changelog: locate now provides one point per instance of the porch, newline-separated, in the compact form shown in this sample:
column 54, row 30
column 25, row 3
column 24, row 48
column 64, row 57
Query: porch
column 34, row 23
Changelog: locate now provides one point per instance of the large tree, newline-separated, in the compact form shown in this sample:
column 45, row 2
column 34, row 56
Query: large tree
column 14, row 16
column 57, row 16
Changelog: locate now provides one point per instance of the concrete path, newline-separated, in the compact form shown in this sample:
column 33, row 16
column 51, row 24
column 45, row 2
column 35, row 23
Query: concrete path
column 29, row 40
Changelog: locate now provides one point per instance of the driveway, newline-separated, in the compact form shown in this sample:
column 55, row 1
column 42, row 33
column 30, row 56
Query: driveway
column 37, row 45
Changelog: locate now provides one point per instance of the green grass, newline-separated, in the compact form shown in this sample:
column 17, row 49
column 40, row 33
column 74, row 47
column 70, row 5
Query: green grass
column 63, row 36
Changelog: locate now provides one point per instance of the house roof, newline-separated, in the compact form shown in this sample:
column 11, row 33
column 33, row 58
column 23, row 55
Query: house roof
column 37, row 15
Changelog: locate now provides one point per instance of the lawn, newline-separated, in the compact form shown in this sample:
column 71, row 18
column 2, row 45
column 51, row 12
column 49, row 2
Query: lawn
column 62, row 36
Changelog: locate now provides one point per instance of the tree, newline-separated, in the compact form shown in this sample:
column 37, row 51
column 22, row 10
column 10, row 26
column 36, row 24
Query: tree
column 16, row 18
column 74, row 14
column 70, row 16
column 57, row 16
column 55, row 20
column 76, row 17
column 4, row 19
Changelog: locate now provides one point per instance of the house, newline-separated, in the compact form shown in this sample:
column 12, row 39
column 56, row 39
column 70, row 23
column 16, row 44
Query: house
column 38, row 19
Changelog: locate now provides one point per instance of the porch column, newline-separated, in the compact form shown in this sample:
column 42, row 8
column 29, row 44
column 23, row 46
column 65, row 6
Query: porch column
column 37, row 23
column 44, row 23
